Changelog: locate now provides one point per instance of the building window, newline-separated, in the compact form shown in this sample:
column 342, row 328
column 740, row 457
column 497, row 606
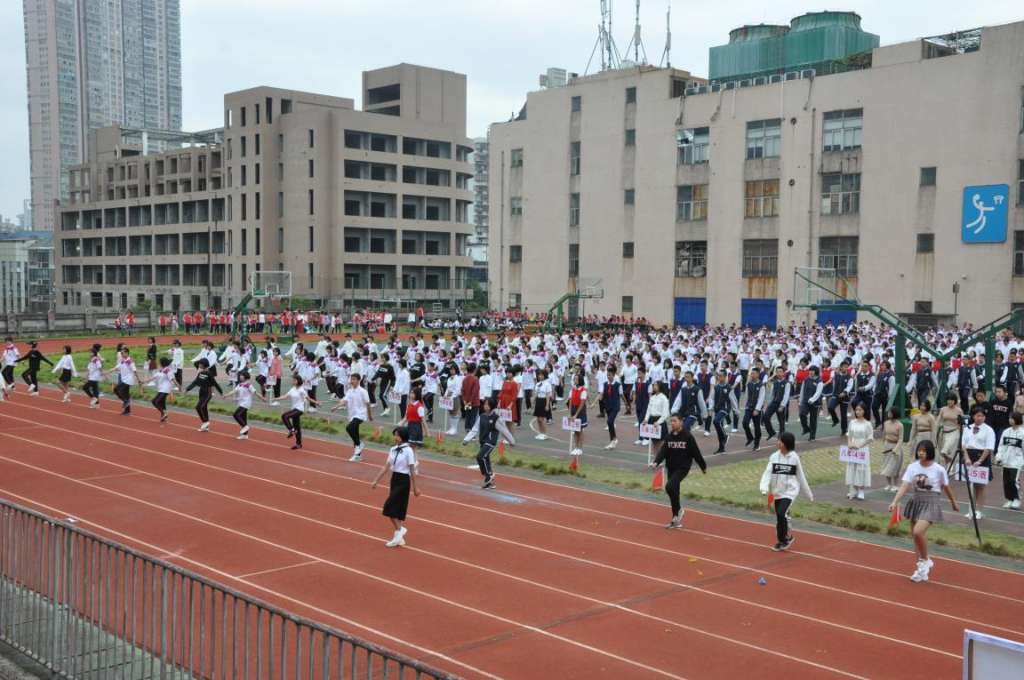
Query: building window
column 694, row 145
column 516, row 156
column 629, row 196
column 574, row 210
column 516, row 205
column 242, row 142
column 631, row 137
column 576, row 104
column 310, row 168
column 928, row 177
column 922, row 307
column 256, row 142
column 280, row 239
column 312, row 239
column 760, row 258
column 574, row 260
column 311, row 286
column 280, row 203
column 631, row 95
column 243, row 116
column 839, row 253
column 1018, row 253
column 692, row 202
column 691, row 259
column 627, row 304
column 842, row 130
column 1020, row 182
column 840, row 194
column 764, row 138
column 926, row 243
column 515, row 300
column 762, row 198
column 310, row 201
column 515, row 254
column 574, row 158
column 311, row 145
column 627, row 250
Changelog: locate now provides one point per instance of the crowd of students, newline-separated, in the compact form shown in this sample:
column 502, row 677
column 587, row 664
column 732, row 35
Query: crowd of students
column 720, row 380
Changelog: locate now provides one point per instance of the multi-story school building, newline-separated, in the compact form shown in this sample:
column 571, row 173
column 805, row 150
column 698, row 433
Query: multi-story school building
column 690, row 200
column 359, row 205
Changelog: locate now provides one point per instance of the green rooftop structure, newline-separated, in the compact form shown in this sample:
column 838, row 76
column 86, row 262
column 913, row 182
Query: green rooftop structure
column 828, row 42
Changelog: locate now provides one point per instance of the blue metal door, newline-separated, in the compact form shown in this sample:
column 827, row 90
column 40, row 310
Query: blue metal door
column 757, row 312
column 690, row 311
column 837, row 316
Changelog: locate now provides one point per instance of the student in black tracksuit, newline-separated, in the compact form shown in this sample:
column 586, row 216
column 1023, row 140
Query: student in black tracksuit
column 752, row 409
column 34, row 357
column 837, row 403
column 488, row 423
column 722, row 403
column 206, row 383
column 678, row 451
column 778, row 401
column 810, row 403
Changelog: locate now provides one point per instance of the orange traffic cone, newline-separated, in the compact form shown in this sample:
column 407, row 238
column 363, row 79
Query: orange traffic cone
column 572, row 465
column 658, row 482
column 380, row 432
column 501, row 450
column 437, row 438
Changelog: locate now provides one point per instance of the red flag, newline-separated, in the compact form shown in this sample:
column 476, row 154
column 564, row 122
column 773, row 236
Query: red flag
column 572, row 464
column 659, row 480
column 771, row 500
column 894, row 518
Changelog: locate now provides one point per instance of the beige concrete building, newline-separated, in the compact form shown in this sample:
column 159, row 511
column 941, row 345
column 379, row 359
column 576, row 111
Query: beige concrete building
column 358, row 205
column 690, row 202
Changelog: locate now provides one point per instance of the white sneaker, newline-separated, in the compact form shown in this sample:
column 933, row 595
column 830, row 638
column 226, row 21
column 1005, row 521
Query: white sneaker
column 93, row 403
column 67, row 398
column 734, row 430
column 204, row 427
column 639, row 442
column 242, row 436
column 403, row 530
column 244, row 430
column 450, row 433
column 860, row 495
column 706, row 433
column 851, row 493
column 385, row 412
column 969, row 515
column 33, row 392
column 920, row 574
column 610, row 445
column 396, row 541
column 541, row 437
column 1015, row 505
column 577, row 452
column 979, row 515
column 312, row 409
column 1008, row 504
column 275, row 403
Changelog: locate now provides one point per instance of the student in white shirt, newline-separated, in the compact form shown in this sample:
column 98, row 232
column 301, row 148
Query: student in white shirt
column 1011, row 457
column 402, row 463
column 177, row 362
column 928, row 480
column 784, row 479
column 164, row 382
column 357, row 401
column 66, row 366
column 128, row 376
column 94, row 374
column 292, row 418
column 244, row 392
column 10, row 358
column 979, row 442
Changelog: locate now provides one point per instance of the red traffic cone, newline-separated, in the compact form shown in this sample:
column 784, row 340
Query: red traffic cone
column 659, row 480
column 437, row 437
column 501, row 450
column 572, row 465
column 380, row 432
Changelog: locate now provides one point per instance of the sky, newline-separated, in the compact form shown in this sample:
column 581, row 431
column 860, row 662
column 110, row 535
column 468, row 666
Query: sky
column 501, row 45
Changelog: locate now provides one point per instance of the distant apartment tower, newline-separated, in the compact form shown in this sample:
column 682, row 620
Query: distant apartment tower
column 92, row 64
column 481, row 205
column 359, row 205
column 26, row 272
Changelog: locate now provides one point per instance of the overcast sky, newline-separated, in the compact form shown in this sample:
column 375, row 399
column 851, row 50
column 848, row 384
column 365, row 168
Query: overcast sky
column 501, row 45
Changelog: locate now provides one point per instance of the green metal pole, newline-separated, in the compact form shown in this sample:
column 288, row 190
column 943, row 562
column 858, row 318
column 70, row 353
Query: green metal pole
column 990, row 367
column 901, row 383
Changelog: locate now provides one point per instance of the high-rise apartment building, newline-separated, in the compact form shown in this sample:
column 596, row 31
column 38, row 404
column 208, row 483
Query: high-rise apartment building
column 695, row 202
column 92, row 64
column 359, row 205
column 481, row 207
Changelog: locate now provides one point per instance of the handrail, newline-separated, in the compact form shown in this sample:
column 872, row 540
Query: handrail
column 86, row 606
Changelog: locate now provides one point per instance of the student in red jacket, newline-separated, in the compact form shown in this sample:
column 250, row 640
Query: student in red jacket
column 470, row 397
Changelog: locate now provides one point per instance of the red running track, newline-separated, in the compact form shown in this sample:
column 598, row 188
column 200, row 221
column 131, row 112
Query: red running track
column 535, row 580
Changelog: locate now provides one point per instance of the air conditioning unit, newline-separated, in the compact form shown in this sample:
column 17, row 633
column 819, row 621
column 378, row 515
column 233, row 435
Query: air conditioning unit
column 807, row 73
column 745, row 83
column 776, row 78
column 760, row 80
column 792, row 75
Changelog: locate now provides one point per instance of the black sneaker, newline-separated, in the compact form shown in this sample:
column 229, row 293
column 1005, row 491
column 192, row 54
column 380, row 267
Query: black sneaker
column 290, row 434
column 489, row 483
column 721, row 449
column 779, row 547
column 769, row 437
column 749, row 442
column 789, row 541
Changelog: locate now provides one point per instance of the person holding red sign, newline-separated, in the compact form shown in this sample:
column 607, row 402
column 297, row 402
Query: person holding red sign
column 979, row 441
column 928, row 479
column 783, row 480
column 578, row 409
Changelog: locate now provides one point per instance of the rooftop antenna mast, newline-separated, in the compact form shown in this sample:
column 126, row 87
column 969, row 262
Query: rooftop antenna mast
column 637, row 43
column 666, row 55
column 605, row 43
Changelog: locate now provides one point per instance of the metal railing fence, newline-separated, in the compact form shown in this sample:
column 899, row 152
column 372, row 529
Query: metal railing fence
column 86, row 607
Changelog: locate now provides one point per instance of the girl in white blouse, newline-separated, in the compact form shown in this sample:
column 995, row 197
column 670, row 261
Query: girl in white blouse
column 66, row 366
column 402, row 463
column 859, row 435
